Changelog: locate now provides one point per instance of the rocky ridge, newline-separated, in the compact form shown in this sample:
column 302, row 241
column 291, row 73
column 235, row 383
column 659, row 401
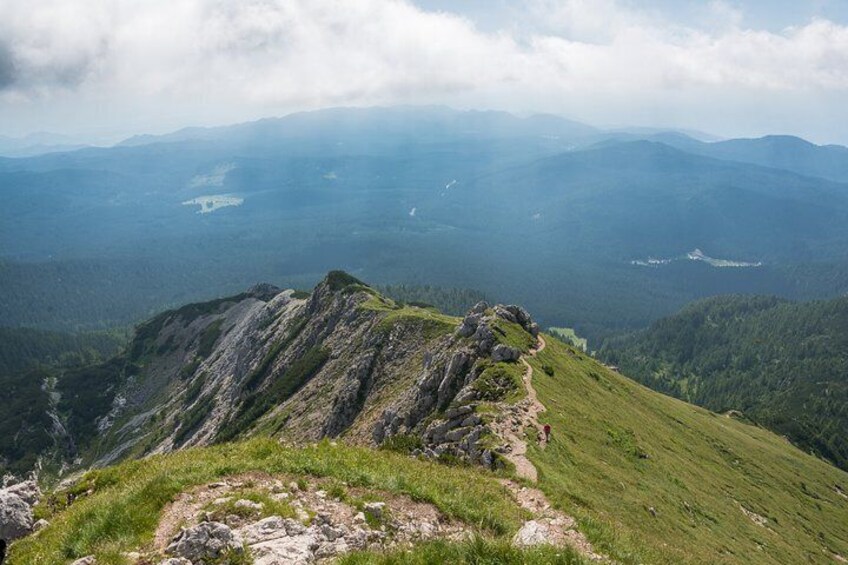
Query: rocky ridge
column 340, row 362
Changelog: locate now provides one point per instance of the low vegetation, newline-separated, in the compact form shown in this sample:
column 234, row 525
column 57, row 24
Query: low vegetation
column 209, row 338
column 123, row 507
column 432, row 322
column 513, row 335
column 652, row 479
column 501, row 381
column 257, row 403
column 569, row 336
column 781, row 364
column 476, row 551
column 451, row 301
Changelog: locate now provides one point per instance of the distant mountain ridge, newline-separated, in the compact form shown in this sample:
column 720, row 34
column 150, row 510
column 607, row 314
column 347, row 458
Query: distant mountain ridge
column 419, row 124
column 491, row 192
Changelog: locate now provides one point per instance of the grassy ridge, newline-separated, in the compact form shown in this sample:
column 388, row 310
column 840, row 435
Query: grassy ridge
column 124, row 509
column 653, row 479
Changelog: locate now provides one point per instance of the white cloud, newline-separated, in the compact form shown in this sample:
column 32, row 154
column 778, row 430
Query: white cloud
column 198, row 58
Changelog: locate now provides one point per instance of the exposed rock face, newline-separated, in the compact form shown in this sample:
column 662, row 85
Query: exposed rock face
column 15, row 517
column 503, row 352
column 342, row 361
column 205, row 542
column 28, row 491
column 325, row 527
column 447, row 383
column 16, row 504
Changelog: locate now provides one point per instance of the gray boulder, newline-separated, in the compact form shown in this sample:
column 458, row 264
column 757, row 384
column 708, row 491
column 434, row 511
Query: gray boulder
column 40, row 525
column 28, row 491
column 505, row 313
column 503, row 352
column 205, row 542
column 469, row 325
column 485, row 339
column 480, row 307
column 15, row 516
column 532, row 533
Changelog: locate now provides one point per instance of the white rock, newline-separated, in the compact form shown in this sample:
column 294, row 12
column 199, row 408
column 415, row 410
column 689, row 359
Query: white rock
column 248, row 504
column 271, row 528
column 290, row 550
column 40, row 525
column 87, row 560
column 28, row 491
column 532, row 533
column 15, row 516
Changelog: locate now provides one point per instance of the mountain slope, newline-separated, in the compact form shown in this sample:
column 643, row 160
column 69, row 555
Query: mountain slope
column 777, row 151
column 649, row 478
column 28, row 427
column 673, row 483
column 781, row 364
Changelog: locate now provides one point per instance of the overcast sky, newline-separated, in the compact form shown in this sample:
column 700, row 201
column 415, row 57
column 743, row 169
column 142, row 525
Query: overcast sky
column 101, row 69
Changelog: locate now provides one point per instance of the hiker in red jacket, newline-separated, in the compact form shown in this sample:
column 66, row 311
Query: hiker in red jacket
column 547, row 430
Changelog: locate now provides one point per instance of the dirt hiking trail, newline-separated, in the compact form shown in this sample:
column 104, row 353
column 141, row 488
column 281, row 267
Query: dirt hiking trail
column 548, row 524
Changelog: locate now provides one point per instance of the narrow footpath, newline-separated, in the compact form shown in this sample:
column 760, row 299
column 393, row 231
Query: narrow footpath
column 516, row 423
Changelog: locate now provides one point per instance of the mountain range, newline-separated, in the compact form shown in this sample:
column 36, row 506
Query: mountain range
column 408, row 195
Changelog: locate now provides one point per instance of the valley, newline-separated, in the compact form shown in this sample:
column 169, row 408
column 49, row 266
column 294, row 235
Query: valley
column 566, row 205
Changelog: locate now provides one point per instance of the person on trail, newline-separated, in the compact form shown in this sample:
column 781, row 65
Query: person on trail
column 547, row 430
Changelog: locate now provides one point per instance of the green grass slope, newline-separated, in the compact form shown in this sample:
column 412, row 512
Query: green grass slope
column 653, row 479
column 119, row 507
column 783, row 364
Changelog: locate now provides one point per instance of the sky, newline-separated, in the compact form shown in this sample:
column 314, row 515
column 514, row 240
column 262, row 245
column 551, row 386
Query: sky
column 100, row 70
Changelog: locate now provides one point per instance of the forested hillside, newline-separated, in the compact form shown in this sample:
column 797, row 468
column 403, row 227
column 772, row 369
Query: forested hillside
column 452, row 301
column 21, row 348
column 30, row 360
column 783, row 365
